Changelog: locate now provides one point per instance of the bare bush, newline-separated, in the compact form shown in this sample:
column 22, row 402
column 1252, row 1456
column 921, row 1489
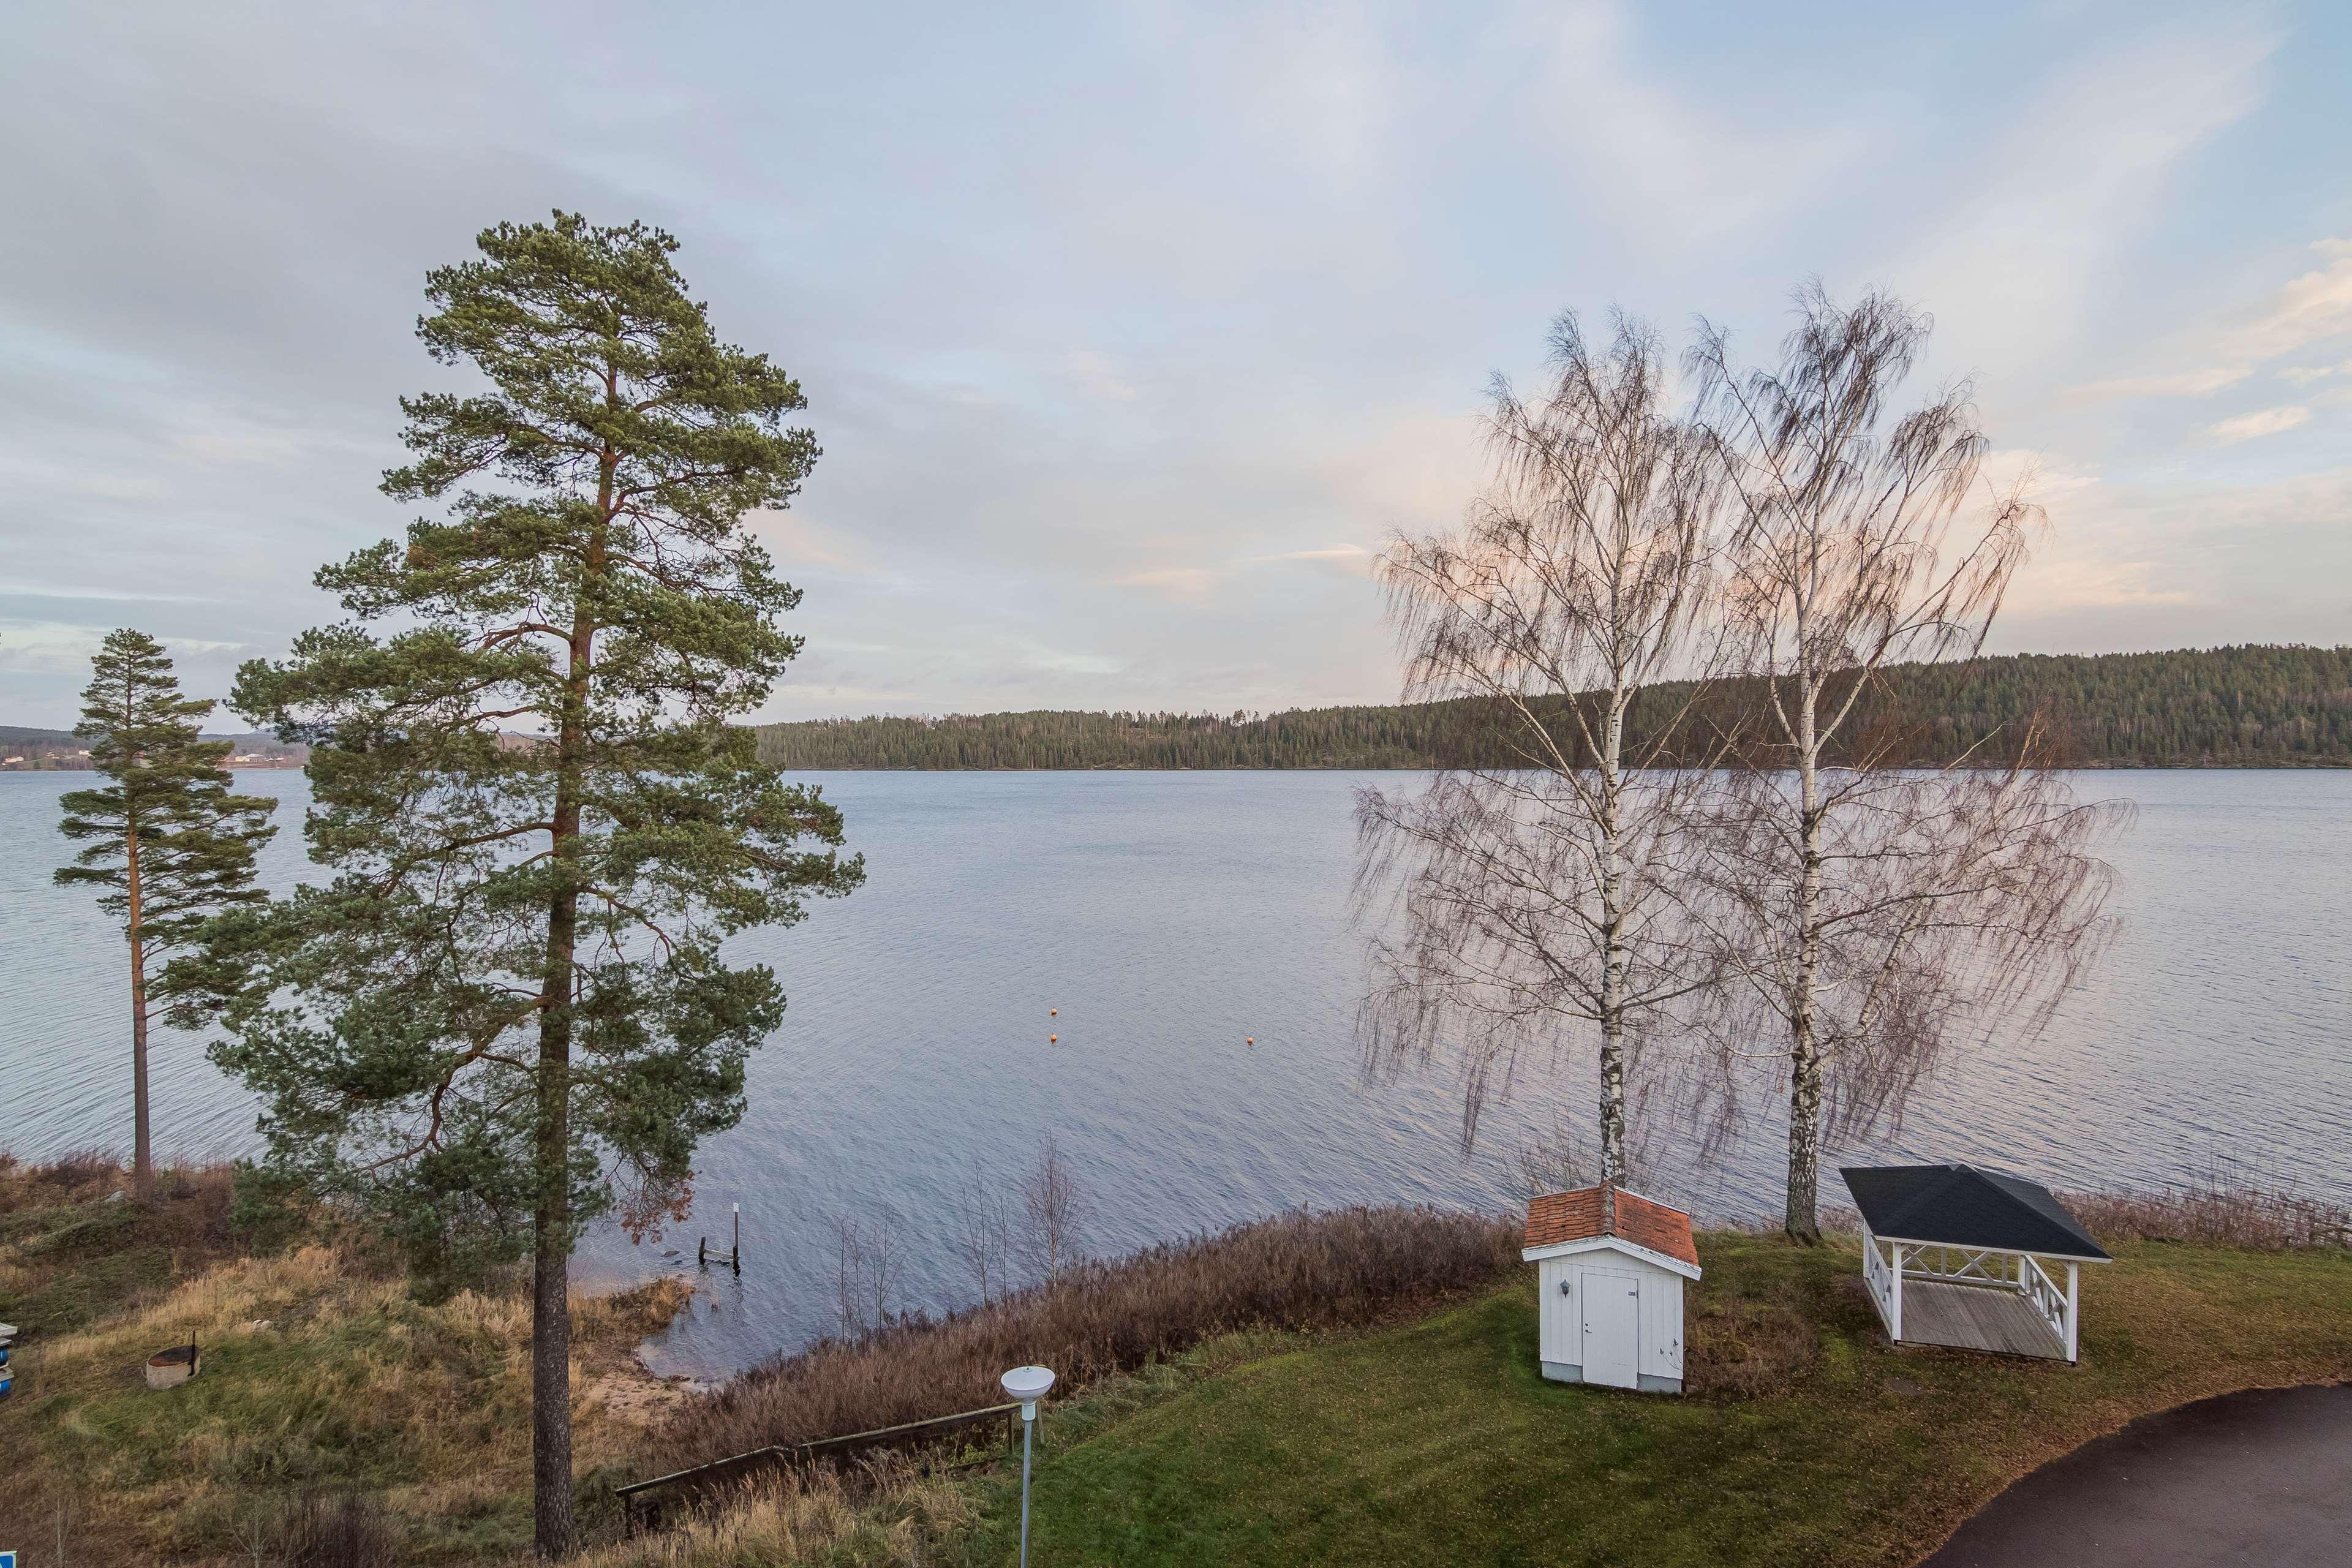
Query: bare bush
column 2221, row 1208
column 1299, row 1270
column 349, row 1530
column 74, row 1176
column 867, row 1258
column 1056, row 1208
column 1744, row 1350
column 981, row 1222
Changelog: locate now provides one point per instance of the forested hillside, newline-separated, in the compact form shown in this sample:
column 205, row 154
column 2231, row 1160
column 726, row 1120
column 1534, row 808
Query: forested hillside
column 2253, row 705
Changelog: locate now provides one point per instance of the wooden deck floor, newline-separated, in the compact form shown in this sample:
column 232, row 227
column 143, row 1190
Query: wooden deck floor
column 1976, row 1318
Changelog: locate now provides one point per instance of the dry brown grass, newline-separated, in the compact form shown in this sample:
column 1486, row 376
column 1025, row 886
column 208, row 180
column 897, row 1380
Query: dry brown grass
column 74, row 1177
column 333, row 1408
column 2217, row 1210
column 1743, row 1350
column 887, row 1512
column 1348, row 1267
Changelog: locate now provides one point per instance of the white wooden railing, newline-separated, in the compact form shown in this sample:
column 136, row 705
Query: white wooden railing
column 1879, row 1276
column 2043, row 1294
column 1973, row 1268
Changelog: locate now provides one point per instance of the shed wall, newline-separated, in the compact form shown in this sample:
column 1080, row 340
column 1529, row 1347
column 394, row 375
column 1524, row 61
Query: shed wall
column 1560, row 1321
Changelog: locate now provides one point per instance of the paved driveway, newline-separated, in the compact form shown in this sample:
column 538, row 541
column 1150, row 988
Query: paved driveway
column 2262, row 1478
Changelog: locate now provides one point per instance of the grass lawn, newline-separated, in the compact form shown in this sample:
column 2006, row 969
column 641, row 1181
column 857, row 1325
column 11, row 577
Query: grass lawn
column 1438, row 1442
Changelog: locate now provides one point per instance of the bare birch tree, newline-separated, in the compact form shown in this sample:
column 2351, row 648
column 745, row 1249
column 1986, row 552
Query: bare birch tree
column 1055, row 1207
column 1514, row 906
column 1874, row 914
column 983, row 1222
column 866, row 1265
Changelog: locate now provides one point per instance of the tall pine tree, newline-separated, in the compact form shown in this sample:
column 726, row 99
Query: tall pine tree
column 163, row 836
column 510, row 1001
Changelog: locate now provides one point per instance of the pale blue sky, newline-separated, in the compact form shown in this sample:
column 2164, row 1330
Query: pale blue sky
column 1128, row 330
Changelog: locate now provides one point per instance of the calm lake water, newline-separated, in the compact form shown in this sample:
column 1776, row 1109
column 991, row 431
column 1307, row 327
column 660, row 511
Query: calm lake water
column 1172, row 917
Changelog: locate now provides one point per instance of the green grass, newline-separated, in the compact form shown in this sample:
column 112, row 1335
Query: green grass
column 1439, row 1442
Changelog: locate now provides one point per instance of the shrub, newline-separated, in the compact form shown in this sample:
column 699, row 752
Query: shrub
column 1302, row 1270
column 268, row 1210
column 2218, row 1209
column 1742, row 1350
column 348, row 1530
column 74, row 1177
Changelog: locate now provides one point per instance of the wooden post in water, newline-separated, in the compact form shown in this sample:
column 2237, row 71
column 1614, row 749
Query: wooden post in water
column 733, row 1256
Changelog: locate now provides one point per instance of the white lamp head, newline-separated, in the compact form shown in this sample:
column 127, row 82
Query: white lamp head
column 1028, row 1384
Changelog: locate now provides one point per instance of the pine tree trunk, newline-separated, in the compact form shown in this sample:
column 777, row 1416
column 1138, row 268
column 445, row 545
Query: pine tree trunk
column 550, row 1309
column 142, row 1153
column 551, row 1313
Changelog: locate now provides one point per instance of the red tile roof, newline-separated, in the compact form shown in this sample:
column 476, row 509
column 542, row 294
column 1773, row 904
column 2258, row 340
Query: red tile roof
column 1557, row 1217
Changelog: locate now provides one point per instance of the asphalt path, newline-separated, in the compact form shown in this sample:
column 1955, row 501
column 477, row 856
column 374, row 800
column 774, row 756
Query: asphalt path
column 2262, row 1477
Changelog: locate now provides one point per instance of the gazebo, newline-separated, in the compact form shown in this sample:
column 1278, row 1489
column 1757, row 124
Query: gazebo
column 1959, row 1257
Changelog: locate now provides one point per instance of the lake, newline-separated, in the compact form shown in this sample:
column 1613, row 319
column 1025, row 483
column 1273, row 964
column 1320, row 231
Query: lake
column 1171, row 919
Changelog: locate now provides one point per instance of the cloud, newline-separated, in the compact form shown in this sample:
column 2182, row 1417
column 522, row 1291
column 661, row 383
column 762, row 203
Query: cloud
column 2305, row 374
column 2311, row 309
column 2135, row 564
column 2264, row 422
column 2186, row 384
column 1158, row 296
column 794, row 539
column 1097, row 375
column 1341, row 560
column 1660, row 152
column 1188, row 585
column 105, row 595
column 2308, row 309
column 2015, row 267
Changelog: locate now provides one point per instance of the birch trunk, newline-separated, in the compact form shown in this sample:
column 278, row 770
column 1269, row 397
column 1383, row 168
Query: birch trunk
column 1802, row 1218
column 1613, row 956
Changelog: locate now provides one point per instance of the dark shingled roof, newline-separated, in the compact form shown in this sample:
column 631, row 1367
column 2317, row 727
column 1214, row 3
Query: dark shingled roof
column 1959, row 1205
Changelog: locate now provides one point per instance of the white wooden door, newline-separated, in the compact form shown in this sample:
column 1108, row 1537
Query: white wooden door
column 1613, row 1329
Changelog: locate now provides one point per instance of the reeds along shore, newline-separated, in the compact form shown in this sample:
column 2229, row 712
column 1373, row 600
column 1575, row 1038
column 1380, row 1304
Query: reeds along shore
column 1296, row 1271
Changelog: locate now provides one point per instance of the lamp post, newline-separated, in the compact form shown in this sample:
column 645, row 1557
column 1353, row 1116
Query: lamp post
column 1028, row 1384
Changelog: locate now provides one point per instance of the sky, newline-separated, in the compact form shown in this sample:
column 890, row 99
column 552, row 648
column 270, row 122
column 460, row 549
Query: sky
column 1130, row 332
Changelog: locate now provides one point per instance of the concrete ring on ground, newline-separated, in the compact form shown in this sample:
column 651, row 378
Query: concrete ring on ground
column 2260, row 1477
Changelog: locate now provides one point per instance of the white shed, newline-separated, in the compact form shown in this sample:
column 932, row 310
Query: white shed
column 1609, row 1287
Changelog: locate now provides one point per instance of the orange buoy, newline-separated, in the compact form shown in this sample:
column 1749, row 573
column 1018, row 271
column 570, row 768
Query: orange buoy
column 1053, row 1012
column 1053, row 1040
column 1250, row 1040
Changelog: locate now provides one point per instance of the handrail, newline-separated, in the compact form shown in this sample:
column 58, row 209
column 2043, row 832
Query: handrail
column 791, row 1453
column 2042, row 1293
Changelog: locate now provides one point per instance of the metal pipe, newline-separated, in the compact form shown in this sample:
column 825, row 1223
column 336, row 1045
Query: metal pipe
column 1028, row 1422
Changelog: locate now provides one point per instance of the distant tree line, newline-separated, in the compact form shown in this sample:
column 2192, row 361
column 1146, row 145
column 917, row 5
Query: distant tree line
column 2250, row 706
column 32, row 750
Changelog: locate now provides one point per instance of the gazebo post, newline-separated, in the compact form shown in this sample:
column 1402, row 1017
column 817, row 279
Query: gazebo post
column 2074, row 1310
column 1899, row 1289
